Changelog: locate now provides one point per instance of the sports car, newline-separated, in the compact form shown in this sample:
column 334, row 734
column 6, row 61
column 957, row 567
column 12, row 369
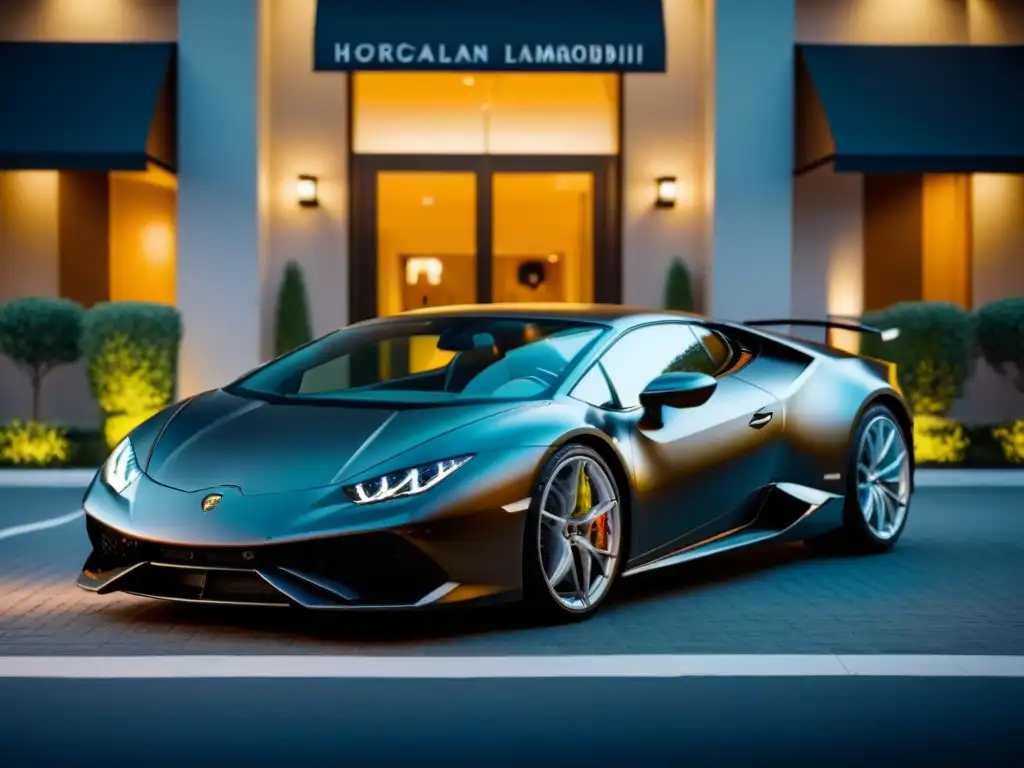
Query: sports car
column 532, row 453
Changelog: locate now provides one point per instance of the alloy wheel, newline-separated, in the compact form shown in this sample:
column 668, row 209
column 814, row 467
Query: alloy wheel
column 579, row 537
column 883, row 477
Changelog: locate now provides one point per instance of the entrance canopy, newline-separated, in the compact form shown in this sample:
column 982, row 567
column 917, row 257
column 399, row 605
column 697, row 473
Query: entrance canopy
column 86, row 106
column 911, row 109
column 490, row 35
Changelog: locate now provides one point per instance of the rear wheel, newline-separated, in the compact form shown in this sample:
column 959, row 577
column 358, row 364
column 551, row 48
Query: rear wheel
column 878, row 486
column 572, row 550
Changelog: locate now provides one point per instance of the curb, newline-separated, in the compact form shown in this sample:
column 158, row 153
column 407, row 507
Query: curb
column 46, row 478
column 925, row 478
column 969, row 478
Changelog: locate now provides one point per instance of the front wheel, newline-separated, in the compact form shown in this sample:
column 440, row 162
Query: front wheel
column 572, row 550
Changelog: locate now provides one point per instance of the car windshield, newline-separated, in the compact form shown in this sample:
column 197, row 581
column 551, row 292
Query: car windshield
column 432, row 361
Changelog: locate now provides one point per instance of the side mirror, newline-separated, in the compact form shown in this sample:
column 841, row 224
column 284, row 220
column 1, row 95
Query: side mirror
column 675, row 390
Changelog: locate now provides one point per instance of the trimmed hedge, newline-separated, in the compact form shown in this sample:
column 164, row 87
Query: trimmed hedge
column 934, row 351
column 38, row 334
column 34, row 444
column 132, row 349
column 1000, row 330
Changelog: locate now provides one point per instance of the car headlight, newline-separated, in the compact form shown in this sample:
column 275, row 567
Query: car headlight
column 405, row 482
column 121, row 468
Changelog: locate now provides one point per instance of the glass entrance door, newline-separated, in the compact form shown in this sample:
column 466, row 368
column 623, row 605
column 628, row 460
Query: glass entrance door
column 542, row 237
column 426, row 239
column 438, row 231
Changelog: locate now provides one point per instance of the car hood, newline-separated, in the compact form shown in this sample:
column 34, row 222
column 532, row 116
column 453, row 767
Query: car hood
column 219, row 439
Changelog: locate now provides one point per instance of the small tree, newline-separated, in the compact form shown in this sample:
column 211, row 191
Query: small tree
column 1001, row 336
column 38, row 334
column 293, row 326
column 678, row 287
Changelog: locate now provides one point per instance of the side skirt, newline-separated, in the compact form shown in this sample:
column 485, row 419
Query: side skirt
column 789, row 513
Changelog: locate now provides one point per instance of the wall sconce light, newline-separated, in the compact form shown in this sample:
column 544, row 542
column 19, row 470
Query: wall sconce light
column 306, row 191
column 668, row 192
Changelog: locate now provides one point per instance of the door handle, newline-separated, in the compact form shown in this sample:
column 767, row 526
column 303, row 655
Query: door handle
column 759, row 420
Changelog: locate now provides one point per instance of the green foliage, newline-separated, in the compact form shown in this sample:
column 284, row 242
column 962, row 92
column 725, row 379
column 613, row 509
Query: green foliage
column 132, row 349
column 934, row 352
column 38, row 334
column 34, row 444
column 293, row 326
column 1000, row 327
column 678, row 287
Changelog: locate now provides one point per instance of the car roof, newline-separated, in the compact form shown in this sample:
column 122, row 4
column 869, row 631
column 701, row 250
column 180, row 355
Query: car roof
column 607, row 314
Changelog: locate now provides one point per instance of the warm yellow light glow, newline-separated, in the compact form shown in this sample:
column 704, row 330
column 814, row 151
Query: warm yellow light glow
column 157, row 241
column 306, row 190
column 143, row 211
column 423, row 266
column 409, row 229
column 846, row 290
column 946, row 239
column 485, row 113
column 668, row 192
column 559, row 208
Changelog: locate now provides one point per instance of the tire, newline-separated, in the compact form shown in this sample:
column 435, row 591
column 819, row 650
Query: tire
column 860, row 533
column 545, row 537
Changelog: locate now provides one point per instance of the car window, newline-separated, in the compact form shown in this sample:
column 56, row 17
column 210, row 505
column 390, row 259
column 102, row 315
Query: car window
column 422, row 361
column 593, row 388
column 642, row 355
column 716, row 345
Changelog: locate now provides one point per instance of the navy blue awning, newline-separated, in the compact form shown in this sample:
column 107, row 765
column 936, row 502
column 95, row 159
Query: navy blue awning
column 86, row 106
column 911, row 109
column 490, row 35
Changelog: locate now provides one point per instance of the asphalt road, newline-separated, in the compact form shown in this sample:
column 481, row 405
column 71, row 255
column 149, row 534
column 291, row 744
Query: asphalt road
column 955, row 585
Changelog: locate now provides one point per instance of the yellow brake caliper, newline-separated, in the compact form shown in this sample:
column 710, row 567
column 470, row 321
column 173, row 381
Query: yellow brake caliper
column 584, row 503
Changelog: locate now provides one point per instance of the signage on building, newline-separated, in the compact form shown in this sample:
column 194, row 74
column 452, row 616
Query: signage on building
column 570, row 57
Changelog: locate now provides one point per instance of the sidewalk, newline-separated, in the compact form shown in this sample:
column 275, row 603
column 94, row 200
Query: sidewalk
column 926, row 478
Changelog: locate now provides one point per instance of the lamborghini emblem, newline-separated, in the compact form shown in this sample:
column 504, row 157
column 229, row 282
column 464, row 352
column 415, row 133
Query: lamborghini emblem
column 210, row 502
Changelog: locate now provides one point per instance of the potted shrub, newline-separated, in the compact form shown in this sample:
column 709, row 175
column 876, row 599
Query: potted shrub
column 132, row 349
column 934, row 355
column 679, row 287
column 292, row 328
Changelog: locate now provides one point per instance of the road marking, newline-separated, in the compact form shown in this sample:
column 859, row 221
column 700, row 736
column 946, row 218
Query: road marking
column 42, row 525
column 494, row 667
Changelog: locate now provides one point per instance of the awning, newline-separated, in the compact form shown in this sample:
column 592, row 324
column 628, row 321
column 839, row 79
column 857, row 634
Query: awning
column 911, row 109
column 491, row 35
column 86, row 106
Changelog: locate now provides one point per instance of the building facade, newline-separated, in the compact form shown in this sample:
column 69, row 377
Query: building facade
column 405, row 157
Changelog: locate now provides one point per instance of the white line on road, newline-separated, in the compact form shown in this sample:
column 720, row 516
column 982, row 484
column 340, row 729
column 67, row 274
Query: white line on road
column 42, row 525
column 492, row 667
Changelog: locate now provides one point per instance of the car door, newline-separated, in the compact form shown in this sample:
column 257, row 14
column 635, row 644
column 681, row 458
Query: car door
column 697, row 471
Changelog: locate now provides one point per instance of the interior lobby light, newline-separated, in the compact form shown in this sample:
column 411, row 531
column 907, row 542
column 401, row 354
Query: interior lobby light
column 306, row 191
column 668, row 192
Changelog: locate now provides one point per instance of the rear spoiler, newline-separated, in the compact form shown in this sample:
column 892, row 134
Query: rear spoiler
column 887, row 334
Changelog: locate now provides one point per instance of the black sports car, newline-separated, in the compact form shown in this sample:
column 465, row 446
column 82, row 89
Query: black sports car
column 490, row 453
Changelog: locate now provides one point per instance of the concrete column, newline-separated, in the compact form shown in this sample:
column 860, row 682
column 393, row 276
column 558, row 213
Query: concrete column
column 220, row 212
column 750, row 158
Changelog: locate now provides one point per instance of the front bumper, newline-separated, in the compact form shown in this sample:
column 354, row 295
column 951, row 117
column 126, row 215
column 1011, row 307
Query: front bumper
column 456, row 548
column 381, row 571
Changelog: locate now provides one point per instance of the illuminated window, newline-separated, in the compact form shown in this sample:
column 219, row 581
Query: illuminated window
column 478, row 114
